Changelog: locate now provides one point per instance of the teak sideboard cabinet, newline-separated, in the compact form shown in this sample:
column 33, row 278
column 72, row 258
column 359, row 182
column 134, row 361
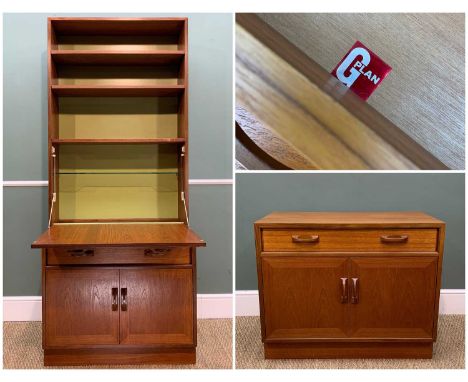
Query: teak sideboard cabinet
column 118, row 258
column 349, row 285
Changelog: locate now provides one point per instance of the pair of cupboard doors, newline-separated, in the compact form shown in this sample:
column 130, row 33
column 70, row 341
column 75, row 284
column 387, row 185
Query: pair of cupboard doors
column 94, row 306
column 314, row 297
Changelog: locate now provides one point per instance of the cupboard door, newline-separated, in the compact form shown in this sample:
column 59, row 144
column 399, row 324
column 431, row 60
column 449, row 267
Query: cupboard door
column 156, row 306
column 303, row 297
column 81, row 307
column 395, row 297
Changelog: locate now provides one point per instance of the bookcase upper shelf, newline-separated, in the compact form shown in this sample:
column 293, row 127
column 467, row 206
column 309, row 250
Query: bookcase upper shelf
column 126, row 140
column 118, row 26
column 117, row 91
column 117, row 57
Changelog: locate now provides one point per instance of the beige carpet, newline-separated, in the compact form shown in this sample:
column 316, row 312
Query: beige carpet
column 449, row 350
column 22, row 347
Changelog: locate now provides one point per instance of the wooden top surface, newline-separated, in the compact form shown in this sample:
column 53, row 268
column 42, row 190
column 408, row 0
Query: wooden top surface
column 68, row 235
column 394, row 219
column 307, row 102
column 433, row 41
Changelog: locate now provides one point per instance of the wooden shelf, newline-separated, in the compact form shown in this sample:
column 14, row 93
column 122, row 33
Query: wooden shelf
column 124, row 141
column 117, row 26
column 117, row 173
column 106, row 57
column 117, row 91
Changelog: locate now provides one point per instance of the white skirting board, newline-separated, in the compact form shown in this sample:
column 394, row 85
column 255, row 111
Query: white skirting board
column 452, row 301
column 29, row 308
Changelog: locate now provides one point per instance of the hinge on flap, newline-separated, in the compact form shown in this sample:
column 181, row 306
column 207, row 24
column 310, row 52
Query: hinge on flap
column 182, row 197
column 54, row 194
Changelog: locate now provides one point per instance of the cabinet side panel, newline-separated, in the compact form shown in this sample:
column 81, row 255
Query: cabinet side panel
column 440, row 248
column 258, row 248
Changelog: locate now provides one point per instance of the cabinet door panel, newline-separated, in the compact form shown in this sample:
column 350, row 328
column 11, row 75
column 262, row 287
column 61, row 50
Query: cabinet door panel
column 159, row 306
column 79, row 307
column 302, row 297
column 396, row 297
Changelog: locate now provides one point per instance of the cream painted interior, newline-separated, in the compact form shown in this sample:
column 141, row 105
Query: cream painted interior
column 103, row 181
column 139, row 43
column 118, row 196
column 118, row 117
column 118, row 75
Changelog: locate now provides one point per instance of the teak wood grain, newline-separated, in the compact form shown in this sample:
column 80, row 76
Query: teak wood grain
column 354, row 295
column 117, row 90
column 396, row 297
column 120, row 255
column 427, row 105
column 384, row 219
column 117, row 235
column 79, row 307
column 118, row 26
column 313, row 112
column 119, row 356
column 163, row 295
column 302, row 298
column 367, row 350
column 370, row 240
column 260, row 148
column 93, row 57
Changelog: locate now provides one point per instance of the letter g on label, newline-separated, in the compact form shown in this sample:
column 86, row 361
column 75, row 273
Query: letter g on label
column 354, row 74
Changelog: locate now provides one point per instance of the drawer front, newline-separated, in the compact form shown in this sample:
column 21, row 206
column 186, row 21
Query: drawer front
column 370, row 240
column 118, row 255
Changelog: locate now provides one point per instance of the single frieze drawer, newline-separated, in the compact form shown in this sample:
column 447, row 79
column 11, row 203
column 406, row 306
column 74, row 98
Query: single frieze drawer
column 118, row 255
column 350, row 240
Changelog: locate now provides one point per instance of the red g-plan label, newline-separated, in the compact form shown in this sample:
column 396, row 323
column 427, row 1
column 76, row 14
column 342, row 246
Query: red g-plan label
column 361, row 70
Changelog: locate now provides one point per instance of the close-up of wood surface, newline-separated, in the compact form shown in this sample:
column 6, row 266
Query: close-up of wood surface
column 296, row 100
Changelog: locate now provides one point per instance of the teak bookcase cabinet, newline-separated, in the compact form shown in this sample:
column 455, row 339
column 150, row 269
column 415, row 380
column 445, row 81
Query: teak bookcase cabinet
column 118, row 258
column 349, row 285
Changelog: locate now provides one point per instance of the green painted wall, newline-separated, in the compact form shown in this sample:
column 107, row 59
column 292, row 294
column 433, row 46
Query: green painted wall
column 440, row 195
column 25, row 143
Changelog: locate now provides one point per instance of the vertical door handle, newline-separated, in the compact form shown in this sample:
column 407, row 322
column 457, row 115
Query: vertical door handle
column 123, row 303
column 115, row 292
column 355, row 293
column 344, row 290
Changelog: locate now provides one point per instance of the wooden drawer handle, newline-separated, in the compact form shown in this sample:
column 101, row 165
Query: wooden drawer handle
column 344, row 290
column 123, row 295
column 115, row 292
column 156, row 252
column 355, row 291
column 305, row 238
column 394, row 238
column 81, row 252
